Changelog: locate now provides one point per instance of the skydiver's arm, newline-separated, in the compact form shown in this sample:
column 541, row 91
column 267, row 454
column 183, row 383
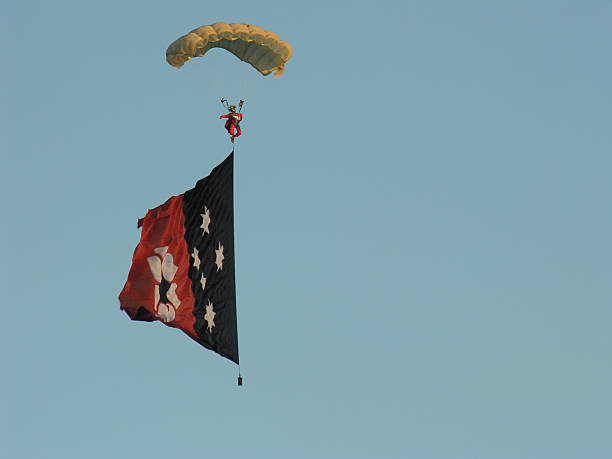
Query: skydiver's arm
column 225, row 116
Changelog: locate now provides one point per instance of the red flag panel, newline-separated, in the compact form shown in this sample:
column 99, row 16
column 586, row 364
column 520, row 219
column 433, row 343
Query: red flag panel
column 158, row 285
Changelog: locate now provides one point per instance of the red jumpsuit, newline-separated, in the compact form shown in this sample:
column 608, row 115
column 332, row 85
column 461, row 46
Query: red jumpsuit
column 233, row 123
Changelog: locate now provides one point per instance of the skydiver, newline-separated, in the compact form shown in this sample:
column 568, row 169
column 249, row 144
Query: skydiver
column 233, row 121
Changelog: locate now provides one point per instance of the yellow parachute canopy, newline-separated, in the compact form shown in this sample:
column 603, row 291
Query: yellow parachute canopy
column 249, row 43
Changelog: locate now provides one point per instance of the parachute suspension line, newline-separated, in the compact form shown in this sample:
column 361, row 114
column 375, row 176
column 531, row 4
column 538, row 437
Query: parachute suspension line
column 245, row 82
column 242, row 84
column 216, row 72
column 243, row 94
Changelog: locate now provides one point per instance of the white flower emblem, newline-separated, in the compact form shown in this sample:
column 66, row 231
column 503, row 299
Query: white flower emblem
column 163, row 270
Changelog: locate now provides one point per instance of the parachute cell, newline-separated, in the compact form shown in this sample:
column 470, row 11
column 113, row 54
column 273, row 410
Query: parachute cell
column 249, row 43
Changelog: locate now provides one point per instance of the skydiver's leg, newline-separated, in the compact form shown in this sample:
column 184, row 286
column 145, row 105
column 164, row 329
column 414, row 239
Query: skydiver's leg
column 238, row 132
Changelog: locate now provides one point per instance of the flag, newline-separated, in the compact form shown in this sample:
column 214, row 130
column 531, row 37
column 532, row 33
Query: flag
column 182, row 270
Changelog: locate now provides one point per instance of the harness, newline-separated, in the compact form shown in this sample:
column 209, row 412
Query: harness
column 232, row 120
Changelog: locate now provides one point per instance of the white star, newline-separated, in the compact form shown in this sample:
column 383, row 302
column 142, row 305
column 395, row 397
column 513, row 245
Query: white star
column 203, row 282
column 210, row 316
column 220, row 257
column 205, row 221
column 196, row 258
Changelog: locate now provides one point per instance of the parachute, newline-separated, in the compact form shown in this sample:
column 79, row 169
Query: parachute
column 249, row 43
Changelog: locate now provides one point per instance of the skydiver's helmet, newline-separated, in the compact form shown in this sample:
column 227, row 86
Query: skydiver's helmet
column 232, row 108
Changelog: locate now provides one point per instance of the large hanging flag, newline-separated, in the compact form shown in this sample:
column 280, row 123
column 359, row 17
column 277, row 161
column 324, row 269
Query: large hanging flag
column 182, row 271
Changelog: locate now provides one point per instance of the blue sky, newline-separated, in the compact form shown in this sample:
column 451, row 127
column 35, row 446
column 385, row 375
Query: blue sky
column 423, row 224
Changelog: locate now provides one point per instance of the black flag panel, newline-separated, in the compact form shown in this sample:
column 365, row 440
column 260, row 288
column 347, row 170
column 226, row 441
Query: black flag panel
column 209, row 229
